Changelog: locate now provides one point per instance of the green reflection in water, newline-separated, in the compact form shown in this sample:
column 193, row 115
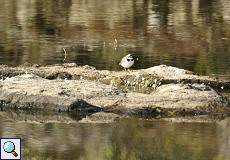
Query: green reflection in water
column 192, row 34
column 126, row 139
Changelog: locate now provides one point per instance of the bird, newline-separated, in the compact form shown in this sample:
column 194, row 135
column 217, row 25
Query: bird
column 127, row 61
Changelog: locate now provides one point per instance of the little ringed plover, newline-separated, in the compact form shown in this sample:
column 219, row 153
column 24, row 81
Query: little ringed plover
column 127, row 61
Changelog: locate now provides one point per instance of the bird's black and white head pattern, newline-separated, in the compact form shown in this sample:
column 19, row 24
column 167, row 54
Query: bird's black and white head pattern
column 127, row 61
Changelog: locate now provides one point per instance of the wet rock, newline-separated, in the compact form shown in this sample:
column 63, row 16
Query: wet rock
column 84, row 107
column 199, row 118
column 87, row 90
column 37, row 117
column 100, row 117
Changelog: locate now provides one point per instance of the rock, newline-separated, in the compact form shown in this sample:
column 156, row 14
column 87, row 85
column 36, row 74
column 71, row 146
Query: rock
column 64, row 95
column 143, row 77
column 187, row 96
column 69, row 65
column 171, row 74
column 37, row 117
column 100, row 117
column 167, row 72
column 87, row 90
column 33, row 91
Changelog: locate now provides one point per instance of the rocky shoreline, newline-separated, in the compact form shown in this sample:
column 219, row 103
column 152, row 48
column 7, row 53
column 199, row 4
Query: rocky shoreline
column 161, row 90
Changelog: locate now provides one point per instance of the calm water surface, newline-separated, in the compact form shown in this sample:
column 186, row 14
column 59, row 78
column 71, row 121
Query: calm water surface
column 193, row 35
column 126, row 139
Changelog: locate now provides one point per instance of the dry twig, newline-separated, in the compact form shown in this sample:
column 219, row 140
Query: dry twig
column 65, row 54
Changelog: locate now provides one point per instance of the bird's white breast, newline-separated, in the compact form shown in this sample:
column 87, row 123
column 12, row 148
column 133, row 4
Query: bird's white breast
column 127, row 64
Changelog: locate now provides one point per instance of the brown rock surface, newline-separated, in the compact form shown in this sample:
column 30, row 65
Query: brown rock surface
column 85, row 89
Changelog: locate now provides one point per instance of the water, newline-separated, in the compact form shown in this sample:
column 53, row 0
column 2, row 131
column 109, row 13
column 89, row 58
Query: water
column 193, row 35
column 126, row 139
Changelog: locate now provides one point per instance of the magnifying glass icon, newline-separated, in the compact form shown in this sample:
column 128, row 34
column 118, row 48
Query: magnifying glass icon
column 9, row 147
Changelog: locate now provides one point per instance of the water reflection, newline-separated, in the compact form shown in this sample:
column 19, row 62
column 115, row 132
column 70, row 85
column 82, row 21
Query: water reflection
column 127, row 139
column 193, row 35
column 188, row 34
